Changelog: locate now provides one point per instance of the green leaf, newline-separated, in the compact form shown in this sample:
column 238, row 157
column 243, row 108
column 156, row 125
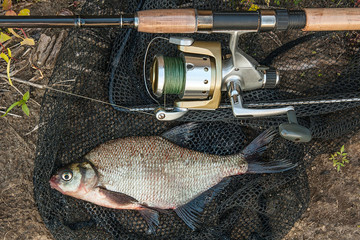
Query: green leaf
column 8, row 72
column 25, row 109
column 338, row 168
column 342, row 148
column 4, row 56
column 24, row 12
column 11, row 107
column 9, row 52
column 4, row 37
column 26, row 96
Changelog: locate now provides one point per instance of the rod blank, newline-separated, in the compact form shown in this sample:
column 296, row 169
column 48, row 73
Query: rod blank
column 66, row 21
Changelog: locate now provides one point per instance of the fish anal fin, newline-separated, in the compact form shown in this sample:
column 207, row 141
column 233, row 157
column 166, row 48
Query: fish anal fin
column 190, row 212
column 151, row 217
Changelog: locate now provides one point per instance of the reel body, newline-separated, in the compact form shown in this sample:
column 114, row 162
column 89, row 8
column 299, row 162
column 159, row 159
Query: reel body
column 200, row 74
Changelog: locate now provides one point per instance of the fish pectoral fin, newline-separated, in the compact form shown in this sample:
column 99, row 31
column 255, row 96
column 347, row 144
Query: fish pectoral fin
column 151, row 217
column 259, row 144
column 117, row 197
column 190, row 212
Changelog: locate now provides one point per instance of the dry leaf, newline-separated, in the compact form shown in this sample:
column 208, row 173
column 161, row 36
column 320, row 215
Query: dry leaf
column 7, row 5
column 28, row 41
column 4, row 37
column 10, row 13
column 14, row 33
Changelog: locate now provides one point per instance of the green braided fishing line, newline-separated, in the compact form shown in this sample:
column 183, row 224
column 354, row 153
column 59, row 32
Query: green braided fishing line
column 174, row 75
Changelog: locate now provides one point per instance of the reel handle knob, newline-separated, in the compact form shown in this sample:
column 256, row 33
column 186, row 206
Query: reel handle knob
column 293, row 131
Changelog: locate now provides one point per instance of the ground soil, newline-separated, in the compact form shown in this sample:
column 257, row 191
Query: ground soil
column 333, row 213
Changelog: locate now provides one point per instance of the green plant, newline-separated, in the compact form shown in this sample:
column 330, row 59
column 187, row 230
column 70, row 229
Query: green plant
column 339, row 158
column 278, row 2
column 21, row 103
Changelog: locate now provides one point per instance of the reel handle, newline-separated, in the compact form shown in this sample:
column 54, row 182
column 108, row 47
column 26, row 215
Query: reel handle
column 234, row 92
column 291, row 131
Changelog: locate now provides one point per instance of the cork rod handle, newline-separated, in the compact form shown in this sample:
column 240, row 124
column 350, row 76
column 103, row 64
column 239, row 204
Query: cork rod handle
column 332, row 19
column 167, row 21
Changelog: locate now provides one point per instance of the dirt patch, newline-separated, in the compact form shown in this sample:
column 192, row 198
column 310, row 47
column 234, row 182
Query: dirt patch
column 334, row 210
column 19, row 218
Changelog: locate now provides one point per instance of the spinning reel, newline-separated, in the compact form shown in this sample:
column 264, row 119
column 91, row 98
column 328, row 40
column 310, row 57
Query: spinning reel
column 200, row 74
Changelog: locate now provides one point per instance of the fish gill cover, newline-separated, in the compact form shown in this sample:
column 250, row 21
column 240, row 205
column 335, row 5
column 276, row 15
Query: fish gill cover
column 258, row 206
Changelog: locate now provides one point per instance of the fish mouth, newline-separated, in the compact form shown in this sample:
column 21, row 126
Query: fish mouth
column 53, row 182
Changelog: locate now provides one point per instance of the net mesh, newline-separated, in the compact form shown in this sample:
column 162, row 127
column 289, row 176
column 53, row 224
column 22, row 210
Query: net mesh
column 107, row 64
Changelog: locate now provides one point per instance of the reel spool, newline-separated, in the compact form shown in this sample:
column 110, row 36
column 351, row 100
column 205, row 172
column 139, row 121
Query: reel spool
column 200, row 74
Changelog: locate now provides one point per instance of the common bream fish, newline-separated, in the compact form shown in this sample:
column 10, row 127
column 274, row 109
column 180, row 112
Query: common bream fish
column 149, row 174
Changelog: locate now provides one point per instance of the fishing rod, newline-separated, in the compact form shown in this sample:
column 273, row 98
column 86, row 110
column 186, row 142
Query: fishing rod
column 201, row 73
column 198, row 21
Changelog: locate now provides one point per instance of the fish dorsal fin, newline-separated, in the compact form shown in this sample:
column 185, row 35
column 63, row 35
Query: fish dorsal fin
column 151, row 217
column 190, row 212
column 258, row 145
column 181, row 135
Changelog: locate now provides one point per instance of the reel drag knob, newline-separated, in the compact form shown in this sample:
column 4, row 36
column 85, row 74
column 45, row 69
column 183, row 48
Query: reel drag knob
column 271, row 78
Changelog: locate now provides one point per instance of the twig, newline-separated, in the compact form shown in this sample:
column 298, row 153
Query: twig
column 26, row 52
column 11, row 114
column 15, row 45
column 72, row 94
column 275, row 38
column 35, row 128
column 24, row 81
column 4, row 76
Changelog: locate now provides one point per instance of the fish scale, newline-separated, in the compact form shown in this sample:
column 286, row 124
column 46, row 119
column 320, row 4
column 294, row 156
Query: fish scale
column 139, row 167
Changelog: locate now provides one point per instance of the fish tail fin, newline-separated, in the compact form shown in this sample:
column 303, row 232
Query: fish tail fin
column 252, row 154
column 274, row 166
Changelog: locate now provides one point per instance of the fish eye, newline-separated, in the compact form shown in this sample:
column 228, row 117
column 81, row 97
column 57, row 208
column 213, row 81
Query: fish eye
column 67, row 175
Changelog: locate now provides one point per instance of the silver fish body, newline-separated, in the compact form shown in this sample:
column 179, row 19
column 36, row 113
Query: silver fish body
column 159, row 173
column 151, row 173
